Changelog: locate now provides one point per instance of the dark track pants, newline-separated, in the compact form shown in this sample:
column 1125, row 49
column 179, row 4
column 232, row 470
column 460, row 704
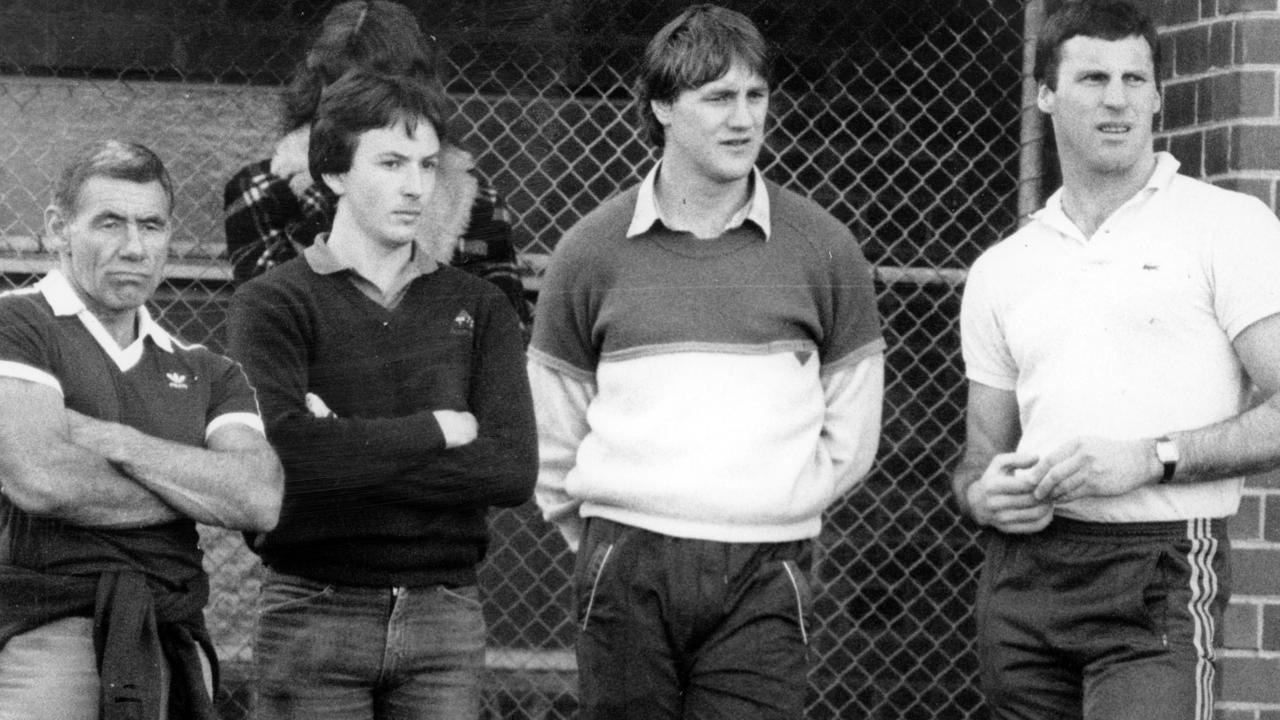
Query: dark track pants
column 1103, row 621
column 691, row 629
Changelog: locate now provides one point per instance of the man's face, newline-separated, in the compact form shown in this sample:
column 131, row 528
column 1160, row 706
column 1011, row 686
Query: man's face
column 114, row 244
column 714, row 132
column 392, row 175
column 1103, row 106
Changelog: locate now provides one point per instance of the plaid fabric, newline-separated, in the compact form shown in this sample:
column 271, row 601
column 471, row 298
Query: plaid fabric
column 267, row 223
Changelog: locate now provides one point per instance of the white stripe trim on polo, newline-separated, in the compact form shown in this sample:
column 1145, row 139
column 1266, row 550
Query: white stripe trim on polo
column 235, row 418
column 19, row 371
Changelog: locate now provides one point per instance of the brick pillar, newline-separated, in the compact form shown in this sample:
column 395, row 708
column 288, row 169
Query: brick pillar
column 1221, row 119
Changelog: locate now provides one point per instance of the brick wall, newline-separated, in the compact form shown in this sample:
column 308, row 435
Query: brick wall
column 1221, row 119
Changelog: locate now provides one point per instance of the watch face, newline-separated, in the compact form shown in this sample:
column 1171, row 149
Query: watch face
column 1166, row 451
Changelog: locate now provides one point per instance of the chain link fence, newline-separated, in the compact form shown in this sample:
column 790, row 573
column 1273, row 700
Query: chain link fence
column 903, row 119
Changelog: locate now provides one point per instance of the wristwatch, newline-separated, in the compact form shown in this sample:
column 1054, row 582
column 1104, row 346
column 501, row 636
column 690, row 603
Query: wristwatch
column 1167, row 454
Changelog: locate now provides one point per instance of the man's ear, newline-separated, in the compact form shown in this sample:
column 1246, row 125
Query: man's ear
column 1045, row 98
column 661, row 111
column 55, row 229
column 334, row 181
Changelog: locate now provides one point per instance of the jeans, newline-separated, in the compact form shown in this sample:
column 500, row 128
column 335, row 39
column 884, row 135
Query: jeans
column 680, row 629
column 333, row 651
column 51, row 672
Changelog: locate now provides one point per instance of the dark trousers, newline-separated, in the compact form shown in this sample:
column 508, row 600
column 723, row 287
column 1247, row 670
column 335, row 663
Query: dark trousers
column 692, row 629
column 1103, row 621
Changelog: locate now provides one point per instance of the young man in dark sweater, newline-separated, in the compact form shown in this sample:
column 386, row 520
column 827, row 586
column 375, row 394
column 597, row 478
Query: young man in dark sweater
column 394, row 389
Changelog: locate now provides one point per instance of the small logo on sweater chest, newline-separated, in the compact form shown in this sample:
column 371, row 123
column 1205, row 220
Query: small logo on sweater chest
column 463, row 323
column 177, row 381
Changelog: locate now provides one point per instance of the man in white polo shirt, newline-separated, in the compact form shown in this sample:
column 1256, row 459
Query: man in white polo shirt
column 1111, row 346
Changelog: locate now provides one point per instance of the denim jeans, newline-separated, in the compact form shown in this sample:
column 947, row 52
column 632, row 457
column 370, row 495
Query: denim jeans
column 334, row 651
column 51, row 672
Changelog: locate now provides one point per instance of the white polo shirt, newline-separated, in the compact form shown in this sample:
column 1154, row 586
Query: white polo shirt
column 1128, row 334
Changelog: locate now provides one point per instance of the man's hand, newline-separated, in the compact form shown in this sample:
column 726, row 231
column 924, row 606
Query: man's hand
column 1095, row 467
column 459, row 428
column 1003, row 499
column 317, row 407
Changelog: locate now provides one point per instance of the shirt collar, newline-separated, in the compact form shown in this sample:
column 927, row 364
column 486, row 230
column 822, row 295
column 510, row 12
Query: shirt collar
column 324, row 262
column 57, row 290
column 1162, row 176
column 647, row 212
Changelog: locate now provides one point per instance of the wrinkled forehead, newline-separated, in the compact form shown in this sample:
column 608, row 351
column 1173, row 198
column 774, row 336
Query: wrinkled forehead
column 738, row 75
column 1129, row 51
column 102, row 195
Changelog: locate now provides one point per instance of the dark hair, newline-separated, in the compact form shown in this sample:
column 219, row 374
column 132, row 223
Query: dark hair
column 700, row 45
column 112, row 159
column 360, row 101
column 379, row 35
column 1103, row 19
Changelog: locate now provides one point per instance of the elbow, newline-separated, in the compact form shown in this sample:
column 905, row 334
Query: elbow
column 32, row 494
column 264, row 516
column 269, row 507
column 520, row 489
column 33, row 500
column 263, row 513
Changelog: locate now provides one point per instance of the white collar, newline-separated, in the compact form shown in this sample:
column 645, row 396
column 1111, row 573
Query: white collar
column 1162, row 176
column 647, row 212
column 57, row 290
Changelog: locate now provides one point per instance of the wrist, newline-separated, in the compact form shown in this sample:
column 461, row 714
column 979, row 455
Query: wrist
column 1165, row 456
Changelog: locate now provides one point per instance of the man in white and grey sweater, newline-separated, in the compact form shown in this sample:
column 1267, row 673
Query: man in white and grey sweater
column 707, row 369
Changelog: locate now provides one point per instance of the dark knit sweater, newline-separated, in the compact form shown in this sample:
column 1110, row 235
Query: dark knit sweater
column 372, row 496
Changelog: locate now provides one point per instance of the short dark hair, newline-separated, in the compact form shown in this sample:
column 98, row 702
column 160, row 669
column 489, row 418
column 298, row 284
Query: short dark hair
column 1103, row 19
column 374, row 34
column 114, row 159
column 360, row 101
column 700, row 45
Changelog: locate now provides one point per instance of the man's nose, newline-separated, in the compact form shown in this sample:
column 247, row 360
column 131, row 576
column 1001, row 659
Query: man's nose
column 741, row 115
column 411, row 183
column 133, row 246
column 1115, row 94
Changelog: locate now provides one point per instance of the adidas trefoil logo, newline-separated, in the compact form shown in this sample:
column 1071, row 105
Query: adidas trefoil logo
column 177, row 381
column 463, row 323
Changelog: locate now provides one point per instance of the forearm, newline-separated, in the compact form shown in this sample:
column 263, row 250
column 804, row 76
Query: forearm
column 967, row 472
column 232, row 488
column 43, row 472
column 851, row 430
column 560, row 403
column 1244, row 445
column 499, row 467
column 81, row 488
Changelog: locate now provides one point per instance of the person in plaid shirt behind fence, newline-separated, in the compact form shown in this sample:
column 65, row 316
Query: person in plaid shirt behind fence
column 274, row 209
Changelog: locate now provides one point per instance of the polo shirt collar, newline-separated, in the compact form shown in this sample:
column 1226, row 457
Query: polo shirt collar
column 647, row 212
column 324, row 262
column 1162, row 176
column 62, row 298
